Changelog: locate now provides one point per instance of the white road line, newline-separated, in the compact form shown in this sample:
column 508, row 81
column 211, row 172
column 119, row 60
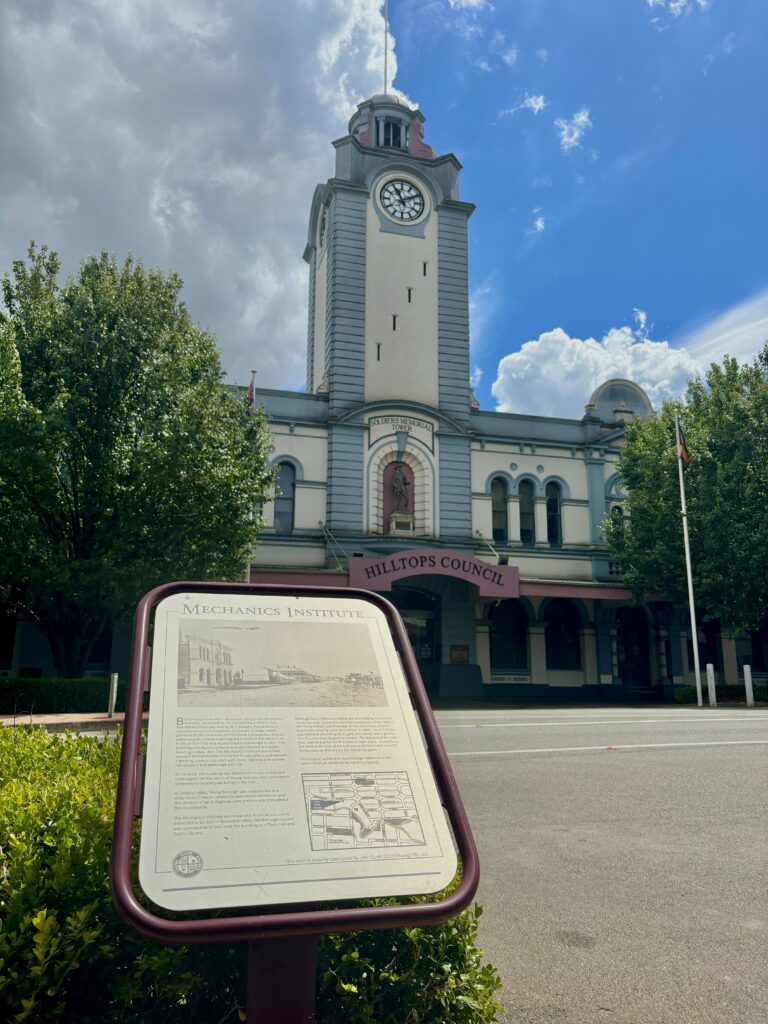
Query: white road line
column 609, row 721
column 580, row 709
column 612, row 747
column 701, row 713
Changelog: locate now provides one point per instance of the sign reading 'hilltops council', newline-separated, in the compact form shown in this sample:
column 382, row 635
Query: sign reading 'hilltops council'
column 381, row 573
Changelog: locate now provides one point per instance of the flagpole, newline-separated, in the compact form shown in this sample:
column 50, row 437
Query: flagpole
column 386, row 42
column 694, row 629
column 250, row 405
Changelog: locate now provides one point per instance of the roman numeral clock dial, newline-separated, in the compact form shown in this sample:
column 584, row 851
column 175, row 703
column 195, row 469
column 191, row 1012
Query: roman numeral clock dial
column 401, row 201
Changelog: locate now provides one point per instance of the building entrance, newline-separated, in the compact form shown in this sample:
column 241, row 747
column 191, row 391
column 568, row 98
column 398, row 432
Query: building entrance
column 633, row 651
column 420, row 611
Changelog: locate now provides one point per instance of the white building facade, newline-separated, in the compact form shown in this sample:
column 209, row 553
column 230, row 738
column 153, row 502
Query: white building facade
column 483, row 528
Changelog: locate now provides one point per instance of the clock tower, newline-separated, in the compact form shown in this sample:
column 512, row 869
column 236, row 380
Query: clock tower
column 387, row 250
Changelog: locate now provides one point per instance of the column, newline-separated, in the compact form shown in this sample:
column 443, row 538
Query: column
column 538, row 654
column 603, row 646
column 513, row 521
column 483, row 649
column 591, row 677
column 540, row 510
column 676, row 654
column 730, row 664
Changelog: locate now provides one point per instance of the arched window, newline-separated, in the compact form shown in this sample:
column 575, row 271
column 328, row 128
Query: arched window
column 527, row 515
column 499, row 509
column 284, row 502
column 391, row 133
column 509, row 636
column 561, row 635
column 554, row 527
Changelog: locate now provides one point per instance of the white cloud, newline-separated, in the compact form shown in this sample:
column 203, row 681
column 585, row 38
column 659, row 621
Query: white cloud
column 555, row 374
column 740, row 331
column 510, row 56
column 482, row 65
column 466, row 22
column 674, row 8
column 543, row 55
column 475, row 376
column 572, row 132
column 533, row 103
column 192, row 135
column 725, row 49
column 538, row 225
column 483, row 306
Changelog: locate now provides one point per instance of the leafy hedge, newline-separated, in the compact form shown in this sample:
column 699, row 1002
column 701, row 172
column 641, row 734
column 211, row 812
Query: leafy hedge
column 56, row 696
column 66, row 956
column 724, row 691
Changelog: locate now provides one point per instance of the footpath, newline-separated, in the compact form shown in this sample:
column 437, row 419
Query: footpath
column 78, row 721
column 99, row 721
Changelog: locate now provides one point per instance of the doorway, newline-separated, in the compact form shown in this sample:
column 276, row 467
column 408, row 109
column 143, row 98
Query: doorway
column 420, row 612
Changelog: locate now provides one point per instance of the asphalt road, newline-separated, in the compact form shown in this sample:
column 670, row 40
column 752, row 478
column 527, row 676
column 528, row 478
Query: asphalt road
column 624, row 860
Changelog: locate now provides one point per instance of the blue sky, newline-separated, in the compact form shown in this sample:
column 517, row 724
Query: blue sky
column 615, row 149
column 653, row 199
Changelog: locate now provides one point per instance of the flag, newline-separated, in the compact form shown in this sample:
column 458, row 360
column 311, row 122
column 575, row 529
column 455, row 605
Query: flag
column 685, row 455
column 250, row 395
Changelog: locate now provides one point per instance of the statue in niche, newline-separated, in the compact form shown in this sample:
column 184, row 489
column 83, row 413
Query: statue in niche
column 400, row 488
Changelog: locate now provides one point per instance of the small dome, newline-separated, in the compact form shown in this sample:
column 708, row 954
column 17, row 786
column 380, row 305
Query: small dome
column 381, row 99
column 618, row 400
column 388, row 97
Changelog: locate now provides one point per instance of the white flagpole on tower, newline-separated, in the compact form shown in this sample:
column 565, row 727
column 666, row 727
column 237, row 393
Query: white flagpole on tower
column 386, row 41
column 694, row 630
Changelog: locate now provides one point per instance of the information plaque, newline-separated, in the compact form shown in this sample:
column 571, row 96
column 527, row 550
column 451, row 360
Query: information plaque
column 285, row 762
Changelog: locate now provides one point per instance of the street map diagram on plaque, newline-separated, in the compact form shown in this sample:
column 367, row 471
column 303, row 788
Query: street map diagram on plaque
column 350, row 810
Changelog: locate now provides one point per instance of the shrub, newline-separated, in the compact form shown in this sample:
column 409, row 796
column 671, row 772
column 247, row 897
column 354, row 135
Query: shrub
column 54, row 696
column 725, row 691
column 65, row 955
column 409, row 976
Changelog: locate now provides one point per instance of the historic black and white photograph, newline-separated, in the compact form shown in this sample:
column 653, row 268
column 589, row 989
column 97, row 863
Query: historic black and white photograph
column 223, row 663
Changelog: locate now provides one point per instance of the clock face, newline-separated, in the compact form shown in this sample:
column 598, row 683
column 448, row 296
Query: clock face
column 401, row 200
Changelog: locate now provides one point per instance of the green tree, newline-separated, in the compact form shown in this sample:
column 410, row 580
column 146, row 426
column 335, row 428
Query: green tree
column 725, row 417
column 124, row 461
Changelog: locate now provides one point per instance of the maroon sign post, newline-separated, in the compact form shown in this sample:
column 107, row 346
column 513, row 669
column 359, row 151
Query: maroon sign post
column 348, row 732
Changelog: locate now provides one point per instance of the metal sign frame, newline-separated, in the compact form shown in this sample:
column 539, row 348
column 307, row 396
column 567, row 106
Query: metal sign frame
column 276, row 923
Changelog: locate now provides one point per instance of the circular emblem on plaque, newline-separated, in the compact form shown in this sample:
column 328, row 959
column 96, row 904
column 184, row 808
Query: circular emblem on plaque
column 187, row 863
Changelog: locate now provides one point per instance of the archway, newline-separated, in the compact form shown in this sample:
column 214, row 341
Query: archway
column 508, row 635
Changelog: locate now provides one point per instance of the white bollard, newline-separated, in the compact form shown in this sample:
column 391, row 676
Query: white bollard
column 112, row 695
column 711, row 685
column 748, row 686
